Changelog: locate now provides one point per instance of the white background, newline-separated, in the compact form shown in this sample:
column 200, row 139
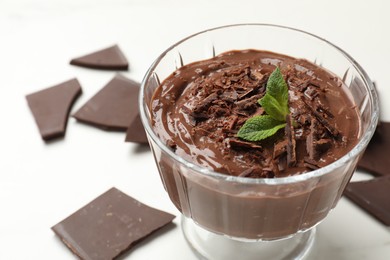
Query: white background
column 40, row 184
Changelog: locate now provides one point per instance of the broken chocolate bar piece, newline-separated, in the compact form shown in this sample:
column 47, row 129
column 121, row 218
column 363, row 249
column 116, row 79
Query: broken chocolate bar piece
column 376, row 157
column 110, row 58
column 372, row 196
column 51, row 106
column 109, row 225
column 114, row 107
column 136, row 132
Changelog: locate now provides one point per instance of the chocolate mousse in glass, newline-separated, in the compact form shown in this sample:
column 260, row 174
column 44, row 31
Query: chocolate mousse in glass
column 244, row 199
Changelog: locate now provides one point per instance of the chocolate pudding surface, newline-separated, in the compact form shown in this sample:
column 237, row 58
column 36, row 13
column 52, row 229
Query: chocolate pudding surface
column 198, row 110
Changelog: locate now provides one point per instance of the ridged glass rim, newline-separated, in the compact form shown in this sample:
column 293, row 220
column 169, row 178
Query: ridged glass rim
column 358, row 148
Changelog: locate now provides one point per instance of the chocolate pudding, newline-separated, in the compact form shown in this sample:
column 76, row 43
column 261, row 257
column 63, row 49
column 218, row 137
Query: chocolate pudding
column 198, row 111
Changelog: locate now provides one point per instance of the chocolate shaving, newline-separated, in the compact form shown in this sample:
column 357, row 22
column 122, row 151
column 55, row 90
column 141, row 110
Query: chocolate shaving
column 203, row 105
column 322, row 146
column 325, row 110
column 280, row 148
column 311, row 138
column 291, row 145
column 311, row 164
column 218, row 111
column 249, row 103
column 229, row 96
column 230, row 122
column 282, row 162
column 247, row 92
column 311, row 93
column 332, row 129
column 314, row 83
column 256, row 75
column 247, row 172
column 239, row 144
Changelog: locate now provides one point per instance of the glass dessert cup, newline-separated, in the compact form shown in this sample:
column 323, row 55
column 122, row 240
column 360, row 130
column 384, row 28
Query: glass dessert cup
column 228, row 217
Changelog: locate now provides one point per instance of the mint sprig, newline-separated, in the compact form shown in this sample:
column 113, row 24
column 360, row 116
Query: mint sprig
column 275, row 104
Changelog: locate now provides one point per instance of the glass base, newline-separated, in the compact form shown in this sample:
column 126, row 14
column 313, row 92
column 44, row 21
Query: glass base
column 208, row 245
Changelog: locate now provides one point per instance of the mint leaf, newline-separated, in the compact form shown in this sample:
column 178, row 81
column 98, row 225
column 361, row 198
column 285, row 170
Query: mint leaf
column 260, row 127
column 275, row 101
column 273, row 108
column 275, row 104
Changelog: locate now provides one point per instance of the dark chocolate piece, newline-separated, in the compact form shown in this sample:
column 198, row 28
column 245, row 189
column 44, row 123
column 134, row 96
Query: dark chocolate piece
column 109, row 225
column 373, row 196
column 110, row 58
column 136, row 132
column 114, row 107
column 51, row 106
column 376, row 157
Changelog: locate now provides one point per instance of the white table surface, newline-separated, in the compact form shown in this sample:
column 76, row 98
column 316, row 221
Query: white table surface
column 40, row 184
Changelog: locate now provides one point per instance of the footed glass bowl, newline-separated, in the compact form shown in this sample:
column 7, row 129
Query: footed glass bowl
column 227, row 217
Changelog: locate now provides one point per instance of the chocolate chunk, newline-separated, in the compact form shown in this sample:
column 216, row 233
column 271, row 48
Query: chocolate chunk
column 291, row 145
column 109, row 225
column 51, row 106
column 376, row 157
column 136, row 132
column 114, row 107
column 372, row 196
column 110, row 58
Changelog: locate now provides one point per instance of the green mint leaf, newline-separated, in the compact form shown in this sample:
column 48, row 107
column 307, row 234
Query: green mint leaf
column 260, row 127
column 275, row 101
column 273, row 108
